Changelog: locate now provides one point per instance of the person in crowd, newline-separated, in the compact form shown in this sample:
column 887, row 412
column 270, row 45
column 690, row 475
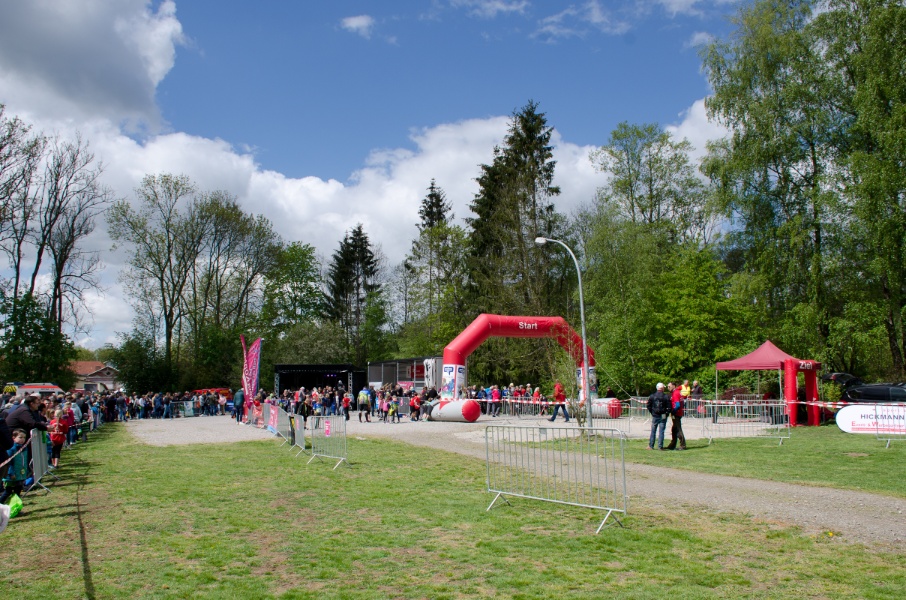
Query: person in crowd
column 25, row 417
column 559, row 402
column 677, row 407
column 347, row 400
column 385, row 405
column 16, row 472
column 494, row 402
column 415, row 406
column 394, row 413
column 58, row 429
column 238, row 404
column 6, row 435
column 364, row 404
column 373, row 394
column 658, row 407
column 697, row 393
column 69, row 418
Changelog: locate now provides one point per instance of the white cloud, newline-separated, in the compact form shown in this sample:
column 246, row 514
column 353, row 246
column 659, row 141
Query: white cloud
column 688, row 7
column 696, row 128
column 488, row 9
column 699, row 38
column 361, row 25
column 677, row 7
column 578, row 20
column 76, row 61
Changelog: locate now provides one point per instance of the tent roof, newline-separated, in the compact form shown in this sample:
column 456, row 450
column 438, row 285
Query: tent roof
column 766, row 357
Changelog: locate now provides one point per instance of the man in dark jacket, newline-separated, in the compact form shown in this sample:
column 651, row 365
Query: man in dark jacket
column 26, row 416
column 659, row 408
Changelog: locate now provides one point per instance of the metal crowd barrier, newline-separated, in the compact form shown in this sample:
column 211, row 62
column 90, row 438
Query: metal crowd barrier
column 638, row 409
column 524, row 406
column 736, row 419
column 185, row 408
column 564, row 465
column 298, row 439
column 890, row 422
column 39, row 460
column 328, row 438
column 284, row 427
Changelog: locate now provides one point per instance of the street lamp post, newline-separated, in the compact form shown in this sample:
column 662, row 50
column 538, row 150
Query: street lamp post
column 585, row 366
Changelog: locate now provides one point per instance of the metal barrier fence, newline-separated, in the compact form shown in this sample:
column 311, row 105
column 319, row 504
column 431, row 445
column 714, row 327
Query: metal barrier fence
column 564, row 465
column 328, row 438
column 524, row 407
column 298, row 441
column 638, row 409
column 39, row 460
column 284, row 427
column 734, row 419
column 185, row 408
column 890, row 422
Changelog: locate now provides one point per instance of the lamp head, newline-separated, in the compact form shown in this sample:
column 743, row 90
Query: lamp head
column 540, row 240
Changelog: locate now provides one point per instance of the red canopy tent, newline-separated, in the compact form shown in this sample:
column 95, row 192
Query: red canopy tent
column 768, row 357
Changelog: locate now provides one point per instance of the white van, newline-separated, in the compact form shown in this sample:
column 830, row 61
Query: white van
column 25, row 389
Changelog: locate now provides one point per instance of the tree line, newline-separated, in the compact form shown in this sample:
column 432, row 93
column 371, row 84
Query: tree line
column 790, row 228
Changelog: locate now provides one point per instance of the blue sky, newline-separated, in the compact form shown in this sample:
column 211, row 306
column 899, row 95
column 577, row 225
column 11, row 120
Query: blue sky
column 320, row 115
column 327, row 82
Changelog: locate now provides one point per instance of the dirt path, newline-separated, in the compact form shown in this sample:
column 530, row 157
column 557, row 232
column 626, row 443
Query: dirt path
column 856, row 516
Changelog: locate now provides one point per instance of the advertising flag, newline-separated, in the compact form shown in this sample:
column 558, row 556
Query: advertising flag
column 250, row 367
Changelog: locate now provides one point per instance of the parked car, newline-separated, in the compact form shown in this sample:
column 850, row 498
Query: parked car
column 844, row 380
column 875, row 392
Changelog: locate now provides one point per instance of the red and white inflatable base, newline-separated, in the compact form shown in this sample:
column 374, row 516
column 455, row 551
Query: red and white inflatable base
column 456, row 411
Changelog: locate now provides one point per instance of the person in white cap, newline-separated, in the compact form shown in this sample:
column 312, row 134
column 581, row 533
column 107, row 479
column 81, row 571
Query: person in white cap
column 659, row 408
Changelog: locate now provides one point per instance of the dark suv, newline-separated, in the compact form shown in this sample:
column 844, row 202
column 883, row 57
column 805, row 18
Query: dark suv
column 844, row 380
column 875, row 392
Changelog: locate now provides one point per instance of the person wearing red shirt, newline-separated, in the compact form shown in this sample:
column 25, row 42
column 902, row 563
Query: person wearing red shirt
column 677, row 406
column 559, row 402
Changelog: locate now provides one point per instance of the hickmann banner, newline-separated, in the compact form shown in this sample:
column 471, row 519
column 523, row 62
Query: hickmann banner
column 881, row 419
column 250, row 367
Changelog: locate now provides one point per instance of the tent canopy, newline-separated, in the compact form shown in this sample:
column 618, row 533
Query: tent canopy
column 766, row 357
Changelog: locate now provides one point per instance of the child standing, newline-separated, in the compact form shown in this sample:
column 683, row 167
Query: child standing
column 385, row 408
column 17, row 473
column 394, row 409
column 58, row 429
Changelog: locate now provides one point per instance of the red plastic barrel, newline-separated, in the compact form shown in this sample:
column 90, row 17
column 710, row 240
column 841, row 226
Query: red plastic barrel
column 615, row 408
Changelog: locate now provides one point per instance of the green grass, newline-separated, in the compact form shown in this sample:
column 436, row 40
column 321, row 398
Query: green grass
column 251, row 521
column 821, row 456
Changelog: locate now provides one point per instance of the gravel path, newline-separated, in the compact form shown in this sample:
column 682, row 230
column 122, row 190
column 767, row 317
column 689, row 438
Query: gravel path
column 856, row 516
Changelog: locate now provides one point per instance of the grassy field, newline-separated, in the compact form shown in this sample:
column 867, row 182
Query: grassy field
column 822, row 456
column 251, row 521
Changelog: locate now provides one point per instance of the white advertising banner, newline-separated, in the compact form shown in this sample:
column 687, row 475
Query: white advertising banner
column 882, row 419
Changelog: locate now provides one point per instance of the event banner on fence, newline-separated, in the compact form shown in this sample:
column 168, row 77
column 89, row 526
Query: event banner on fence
column 250, row 367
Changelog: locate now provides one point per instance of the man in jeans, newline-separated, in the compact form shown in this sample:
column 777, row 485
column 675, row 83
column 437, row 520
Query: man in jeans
column 658, row 408
column 677, row 408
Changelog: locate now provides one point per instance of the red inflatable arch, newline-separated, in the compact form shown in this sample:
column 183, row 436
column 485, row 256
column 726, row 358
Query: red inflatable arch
column 485, row 326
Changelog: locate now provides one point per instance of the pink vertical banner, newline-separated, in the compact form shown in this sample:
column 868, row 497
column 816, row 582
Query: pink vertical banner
column 273, row 418
column 250, row 366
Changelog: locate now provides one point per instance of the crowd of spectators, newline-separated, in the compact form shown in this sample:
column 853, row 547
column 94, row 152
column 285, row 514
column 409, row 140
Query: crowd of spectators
column 388, row 403
column 58, row 419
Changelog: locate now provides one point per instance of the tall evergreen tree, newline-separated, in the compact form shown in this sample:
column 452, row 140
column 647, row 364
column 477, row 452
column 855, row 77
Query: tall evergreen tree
column 352, row 287
column 510, row 274
column 435, row 209
column 434, row 276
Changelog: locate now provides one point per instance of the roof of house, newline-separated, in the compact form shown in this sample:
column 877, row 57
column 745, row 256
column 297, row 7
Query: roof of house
column 89, row 367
